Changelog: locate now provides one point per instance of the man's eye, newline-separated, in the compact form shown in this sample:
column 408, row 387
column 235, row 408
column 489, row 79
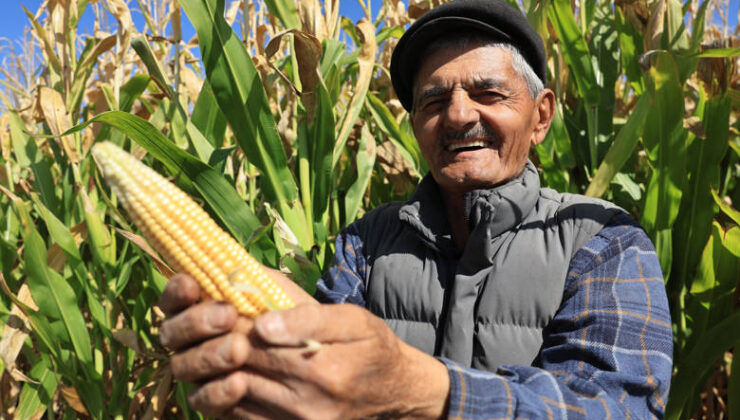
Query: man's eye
column 433, row 104
column 489, row 96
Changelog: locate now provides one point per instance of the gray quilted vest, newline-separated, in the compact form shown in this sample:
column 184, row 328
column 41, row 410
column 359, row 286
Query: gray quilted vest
column 488, row 304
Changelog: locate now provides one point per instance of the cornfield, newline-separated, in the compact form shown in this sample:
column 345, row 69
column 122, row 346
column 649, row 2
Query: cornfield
column 280, row 119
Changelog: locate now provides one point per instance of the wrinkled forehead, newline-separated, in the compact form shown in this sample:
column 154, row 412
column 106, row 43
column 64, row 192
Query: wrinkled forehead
column 483, row 62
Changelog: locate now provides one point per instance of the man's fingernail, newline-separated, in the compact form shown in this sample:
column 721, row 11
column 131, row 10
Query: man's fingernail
column 220, row 318
column 270, row 325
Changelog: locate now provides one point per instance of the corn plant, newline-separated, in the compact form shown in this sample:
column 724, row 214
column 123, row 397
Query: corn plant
column 279, row 119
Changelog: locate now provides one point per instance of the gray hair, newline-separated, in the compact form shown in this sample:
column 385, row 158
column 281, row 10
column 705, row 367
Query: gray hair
column 518, row 62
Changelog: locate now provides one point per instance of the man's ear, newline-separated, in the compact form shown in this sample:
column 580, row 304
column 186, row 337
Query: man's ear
column 543, row 114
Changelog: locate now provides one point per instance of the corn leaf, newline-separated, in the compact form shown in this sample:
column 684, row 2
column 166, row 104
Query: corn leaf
column 181, row 124
column 694, row 222
column 406, row 144
column 621, row 149
column 322, row 145
column 575, row 51
column 711, row 290
column 664, row 140
column 35, row 397
column 365, row 160
column 366, row 62
column 709, row 347
column 243, row 100
column 208, row 118
column 719, row 53
column 93, row 49
column 55, row 298
column 285, row 10
column 28, row 155
column 630, row 47
column 726, row 208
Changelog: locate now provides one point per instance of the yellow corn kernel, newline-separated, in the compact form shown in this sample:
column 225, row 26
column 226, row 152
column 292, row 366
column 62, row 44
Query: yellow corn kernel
column 188, row 239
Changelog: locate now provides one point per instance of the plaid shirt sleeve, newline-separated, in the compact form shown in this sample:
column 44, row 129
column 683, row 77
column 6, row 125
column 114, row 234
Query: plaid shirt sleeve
column 343, row 282
column 607, row 352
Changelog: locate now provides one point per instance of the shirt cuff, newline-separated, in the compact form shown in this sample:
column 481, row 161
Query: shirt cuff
column 476, row 394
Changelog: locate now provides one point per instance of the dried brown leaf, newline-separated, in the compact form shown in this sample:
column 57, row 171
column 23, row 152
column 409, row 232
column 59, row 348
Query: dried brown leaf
column 417, row 8
column 193, row 84
column 141, row 243
column 4, row 137
column 399, row 172
column 19, row 376
column 308, row 56
column 654, row 30
column 366, row 62
column 232, row 11
column 119, row 9
column 55, row 114
column 694, row 125
column 70, row 395
column 16, row 329
column 128, row 338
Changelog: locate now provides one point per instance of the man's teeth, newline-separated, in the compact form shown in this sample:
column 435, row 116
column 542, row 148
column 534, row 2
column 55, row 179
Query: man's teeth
column 457, row 146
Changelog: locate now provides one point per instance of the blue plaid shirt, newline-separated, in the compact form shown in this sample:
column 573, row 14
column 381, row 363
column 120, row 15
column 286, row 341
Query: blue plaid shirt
column 606, row 354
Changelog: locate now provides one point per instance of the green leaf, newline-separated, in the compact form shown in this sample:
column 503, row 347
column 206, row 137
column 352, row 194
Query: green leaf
column 131, row 91
column 630, row 47
column 406, row 144
column 621, row 149
column 389, row 32
column 242, row 99
column 93, row 49
column 207, row 117
column 575, row 51
column 665, row 143
column 35, row 397
column 365, row 160
column 181, row 125
column 322, row 146
column 719, row 53
column 285, row 10
column 693, row 225
column 28, row 155
column 709, row 347
column 711, row 290
column 726, row 208
column 54, row 297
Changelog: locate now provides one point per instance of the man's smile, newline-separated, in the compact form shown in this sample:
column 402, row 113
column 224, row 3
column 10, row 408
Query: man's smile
column 467, row 145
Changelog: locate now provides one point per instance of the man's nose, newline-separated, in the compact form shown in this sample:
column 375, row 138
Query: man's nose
column 461, row 111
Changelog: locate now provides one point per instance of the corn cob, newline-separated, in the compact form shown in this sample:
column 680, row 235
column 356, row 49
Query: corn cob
column 188, row 239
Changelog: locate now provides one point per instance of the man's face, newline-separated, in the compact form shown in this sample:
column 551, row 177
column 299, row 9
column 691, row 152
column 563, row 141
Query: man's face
column 474, row 118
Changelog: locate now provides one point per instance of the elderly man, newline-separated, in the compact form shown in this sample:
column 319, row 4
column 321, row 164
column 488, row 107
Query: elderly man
column 482, row 296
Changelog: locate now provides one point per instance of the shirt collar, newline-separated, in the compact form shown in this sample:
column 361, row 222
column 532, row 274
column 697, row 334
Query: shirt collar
column 489, row 211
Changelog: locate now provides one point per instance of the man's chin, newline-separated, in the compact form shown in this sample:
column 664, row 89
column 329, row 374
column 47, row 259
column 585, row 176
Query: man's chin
column 462, row 183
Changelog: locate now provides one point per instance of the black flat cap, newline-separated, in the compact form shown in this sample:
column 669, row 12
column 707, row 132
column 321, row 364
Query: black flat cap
column 492, row 18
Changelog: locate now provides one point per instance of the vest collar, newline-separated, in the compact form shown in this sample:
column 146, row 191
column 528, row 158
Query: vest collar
column 489, row 211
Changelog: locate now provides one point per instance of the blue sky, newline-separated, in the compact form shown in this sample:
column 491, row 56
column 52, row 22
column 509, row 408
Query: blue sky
column 13, row 20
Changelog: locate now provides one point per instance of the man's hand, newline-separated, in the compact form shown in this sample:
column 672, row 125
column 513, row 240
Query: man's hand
column 261, row 369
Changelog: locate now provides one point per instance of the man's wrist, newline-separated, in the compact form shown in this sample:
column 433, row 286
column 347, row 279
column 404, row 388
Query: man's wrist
column 424, row 386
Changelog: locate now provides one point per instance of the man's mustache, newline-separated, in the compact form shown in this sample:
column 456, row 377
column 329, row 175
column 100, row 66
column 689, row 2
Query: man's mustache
column 478, row 131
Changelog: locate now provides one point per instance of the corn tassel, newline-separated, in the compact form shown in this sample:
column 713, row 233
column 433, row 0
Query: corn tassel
column 188, row 239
